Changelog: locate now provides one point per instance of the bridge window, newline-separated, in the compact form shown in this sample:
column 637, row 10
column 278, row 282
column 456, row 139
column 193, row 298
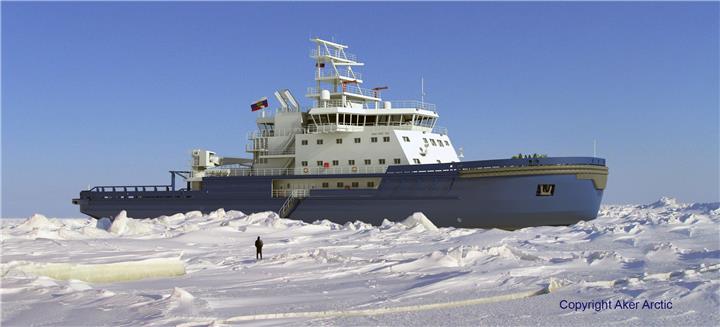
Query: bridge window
column 441, row 143
column 357, row 140
column 425, row 140
column 433, row 142
column 447, row 143
column 319, row 163
column 351, row 162
column 381, row 161
column 396, row 161
column 373, row 139
column 338, row 141
column 386, row 138
column 406, row 139
column 416, row 160
column 319, row 142
column 304, row 163
column 336, row 163
column 304, row 142
column 368, row 162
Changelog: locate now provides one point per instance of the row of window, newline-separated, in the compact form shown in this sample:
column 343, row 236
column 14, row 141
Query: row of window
column 385, row 139
column 340, row 141
column 351, row 162
column 439, row 142
column 353, row 184
column 367, row 162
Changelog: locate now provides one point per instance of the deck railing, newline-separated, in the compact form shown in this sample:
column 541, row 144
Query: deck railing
column 348, row 89
column 393, row 169
column 133, row 188
column 340, row 73
column 440, row 130
column 413, row 104
column 225, row 172
column 274, row 132
column 297, row 193
column 333, row 53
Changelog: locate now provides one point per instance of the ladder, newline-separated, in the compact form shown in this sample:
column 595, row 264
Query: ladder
column 292, row 201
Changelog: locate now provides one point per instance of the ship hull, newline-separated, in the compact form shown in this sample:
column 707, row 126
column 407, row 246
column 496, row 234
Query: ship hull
column 481, row 194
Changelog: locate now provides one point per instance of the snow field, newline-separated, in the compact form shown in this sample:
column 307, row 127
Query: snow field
column 405, row 273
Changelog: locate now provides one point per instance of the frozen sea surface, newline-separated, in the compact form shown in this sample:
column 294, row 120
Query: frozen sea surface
column 193, row 269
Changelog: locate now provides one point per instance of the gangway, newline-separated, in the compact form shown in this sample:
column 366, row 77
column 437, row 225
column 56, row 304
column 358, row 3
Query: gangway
column 292, row 201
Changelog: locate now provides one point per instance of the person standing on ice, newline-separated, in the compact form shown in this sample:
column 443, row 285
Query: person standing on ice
column 258, row 248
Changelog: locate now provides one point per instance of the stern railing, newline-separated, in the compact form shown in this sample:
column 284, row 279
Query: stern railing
column 133, row 188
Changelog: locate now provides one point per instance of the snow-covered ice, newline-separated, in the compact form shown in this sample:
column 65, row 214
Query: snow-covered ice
column 195, row 269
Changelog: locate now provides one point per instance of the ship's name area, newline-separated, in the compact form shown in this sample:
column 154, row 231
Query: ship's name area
column 601, row 305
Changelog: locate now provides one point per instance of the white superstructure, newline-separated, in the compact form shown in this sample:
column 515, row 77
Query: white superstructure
column 349, row 129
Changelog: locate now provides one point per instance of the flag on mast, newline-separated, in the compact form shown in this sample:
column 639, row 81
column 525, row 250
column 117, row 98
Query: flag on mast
column 260, row 104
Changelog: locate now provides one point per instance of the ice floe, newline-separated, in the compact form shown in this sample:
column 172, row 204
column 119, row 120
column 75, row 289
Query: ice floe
column 196, row 269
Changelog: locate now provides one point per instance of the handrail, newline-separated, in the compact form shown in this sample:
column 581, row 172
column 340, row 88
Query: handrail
column 292, row 201
column 498, row 163
column 403, row 104
column 334, row 103
column 327, row 128
column 407, row 169
column 360, row 90
column 297, row 193
column 333, row 53
column 331, row 73
column 271, row 113
column 348, row 89
column 132, row 188
column 393, row 169
column 331, row 127
column 440, row 130
column 215, row 172
column 277, row 152
column 274, row 132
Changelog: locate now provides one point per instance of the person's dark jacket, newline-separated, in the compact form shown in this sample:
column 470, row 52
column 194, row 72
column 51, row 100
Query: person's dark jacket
column 258, row 244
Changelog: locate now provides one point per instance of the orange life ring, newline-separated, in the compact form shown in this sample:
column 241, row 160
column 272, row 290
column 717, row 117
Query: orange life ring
column 305, row 170
column 354, row 169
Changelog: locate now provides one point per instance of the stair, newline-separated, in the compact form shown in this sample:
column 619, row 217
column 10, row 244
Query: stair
column 286, row 149
column 292, row 201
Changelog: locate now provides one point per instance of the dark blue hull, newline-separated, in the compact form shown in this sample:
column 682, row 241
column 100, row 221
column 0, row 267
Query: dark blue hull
column 485, row 194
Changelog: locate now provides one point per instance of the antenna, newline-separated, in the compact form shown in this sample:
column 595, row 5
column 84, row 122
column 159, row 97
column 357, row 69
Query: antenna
column 594, row 148
column 376, row 90
column 422, row 89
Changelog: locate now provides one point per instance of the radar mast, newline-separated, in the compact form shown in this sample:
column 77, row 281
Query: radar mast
column 334, row 74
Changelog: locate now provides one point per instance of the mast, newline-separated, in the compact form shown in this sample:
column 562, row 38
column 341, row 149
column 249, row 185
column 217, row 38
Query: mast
column 334, row 73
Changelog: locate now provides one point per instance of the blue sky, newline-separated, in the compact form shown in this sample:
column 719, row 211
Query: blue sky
column 119, row 93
